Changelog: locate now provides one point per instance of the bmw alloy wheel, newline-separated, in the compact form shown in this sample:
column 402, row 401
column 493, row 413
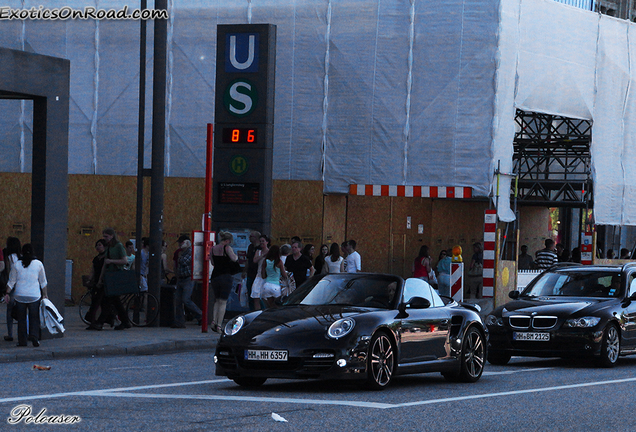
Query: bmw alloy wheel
column 611, row 346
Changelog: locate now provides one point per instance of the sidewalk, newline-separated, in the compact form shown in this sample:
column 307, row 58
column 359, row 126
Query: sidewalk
column 78, row 342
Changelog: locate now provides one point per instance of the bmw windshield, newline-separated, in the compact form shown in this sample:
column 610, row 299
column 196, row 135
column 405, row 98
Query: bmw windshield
column 576, row 284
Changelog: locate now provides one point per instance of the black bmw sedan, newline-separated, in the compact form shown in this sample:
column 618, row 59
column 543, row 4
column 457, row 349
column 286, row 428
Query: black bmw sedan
column 569, row 310
column 355, row 326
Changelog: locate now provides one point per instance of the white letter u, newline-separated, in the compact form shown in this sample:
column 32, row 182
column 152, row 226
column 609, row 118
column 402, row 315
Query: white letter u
column 250, row 57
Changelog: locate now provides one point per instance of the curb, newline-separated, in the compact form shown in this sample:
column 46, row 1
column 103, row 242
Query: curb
column 110, row 350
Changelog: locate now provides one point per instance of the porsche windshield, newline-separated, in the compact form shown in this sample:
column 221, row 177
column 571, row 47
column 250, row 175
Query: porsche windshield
column 576, row 284
column 364, row 291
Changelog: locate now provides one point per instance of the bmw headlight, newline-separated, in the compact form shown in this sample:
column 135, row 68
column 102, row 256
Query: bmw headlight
column 341, row 328
column 584, row 322
column 234, row 325
column 492, row 320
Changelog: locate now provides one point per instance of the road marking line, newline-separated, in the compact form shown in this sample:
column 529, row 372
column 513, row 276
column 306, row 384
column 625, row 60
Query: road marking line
column 83, row 392
column 508, row 372
column 121, row 392
column 139, row 367
column 514, row 392
column 360, row 404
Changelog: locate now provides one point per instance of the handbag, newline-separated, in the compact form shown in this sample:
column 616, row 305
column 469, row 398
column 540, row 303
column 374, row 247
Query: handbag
column 288, row 284
column 120, row 282
column 432, row 277
column 477, row 270
column 235, row 267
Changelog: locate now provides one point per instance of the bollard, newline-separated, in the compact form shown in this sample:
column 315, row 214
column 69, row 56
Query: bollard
column 457, row 281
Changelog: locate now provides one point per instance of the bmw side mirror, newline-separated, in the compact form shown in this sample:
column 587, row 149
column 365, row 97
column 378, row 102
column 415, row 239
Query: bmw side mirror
column 514, row 294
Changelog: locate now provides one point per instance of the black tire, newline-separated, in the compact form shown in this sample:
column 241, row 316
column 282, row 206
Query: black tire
column 472, row 358
column 142, row 309
column 498, row 359
column 84, row 305
column 610, row 347
column 249, row 382
column 381, row 362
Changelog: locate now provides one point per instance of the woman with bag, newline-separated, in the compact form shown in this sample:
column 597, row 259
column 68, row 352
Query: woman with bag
column 223, row 259
column 97, row 290
column 258, row 280
column 28, row 278
column 272, row 270
column 116, row 259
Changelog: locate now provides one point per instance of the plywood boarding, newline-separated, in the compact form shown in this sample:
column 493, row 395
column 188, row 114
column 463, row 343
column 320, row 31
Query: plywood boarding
column 368, row 223
column 15, row 207
column 457, row 223
column 334, row 219
column 297, row 210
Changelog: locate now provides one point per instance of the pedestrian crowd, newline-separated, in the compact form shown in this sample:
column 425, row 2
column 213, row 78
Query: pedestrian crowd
column 270, row 272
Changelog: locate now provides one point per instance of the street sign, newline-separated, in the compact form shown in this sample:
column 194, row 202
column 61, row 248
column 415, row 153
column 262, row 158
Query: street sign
column 244, row 114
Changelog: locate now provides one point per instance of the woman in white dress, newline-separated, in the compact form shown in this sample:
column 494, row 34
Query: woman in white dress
column 334, row 261
column 271, row 271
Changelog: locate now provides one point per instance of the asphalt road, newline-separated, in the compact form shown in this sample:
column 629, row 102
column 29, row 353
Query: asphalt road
column 179, row 392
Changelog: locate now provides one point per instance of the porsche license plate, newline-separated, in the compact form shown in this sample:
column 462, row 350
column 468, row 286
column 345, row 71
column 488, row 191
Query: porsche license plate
column 266, row 355
column 531, row 336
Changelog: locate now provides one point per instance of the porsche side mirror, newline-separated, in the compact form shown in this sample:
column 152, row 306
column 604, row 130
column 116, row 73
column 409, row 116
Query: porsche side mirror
column 514, row 294
column 419, row 303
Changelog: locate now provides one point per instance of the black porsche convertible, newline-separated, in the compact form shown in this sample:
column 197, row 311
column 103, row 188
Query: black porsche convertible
column 568, row 311
column 357, row 326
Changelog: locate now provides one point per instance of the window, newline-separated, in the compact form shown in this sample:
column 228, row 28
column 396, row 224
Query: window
column 418, row 288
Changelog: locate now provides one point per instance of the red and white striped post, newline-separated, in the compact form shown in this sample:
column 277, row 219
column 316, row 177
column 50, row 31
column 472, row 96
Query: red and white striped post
column 457, row 281
column 490, row 228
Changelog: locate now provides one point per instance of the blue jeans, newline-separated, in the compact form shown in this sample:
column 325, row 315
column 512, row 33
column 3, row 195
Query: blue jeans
column 33, row 310
column 182, row 298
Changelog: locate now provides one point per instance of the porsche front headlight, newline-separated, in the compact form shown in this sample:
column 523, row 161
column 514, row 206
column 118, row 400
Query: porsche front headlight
column 584, row 322
column 341, row 328
column 234, row 325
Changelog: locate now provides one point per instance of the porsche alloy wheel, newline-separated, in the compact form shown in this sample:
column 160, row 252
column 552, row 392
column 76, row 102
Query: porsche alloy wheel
column 381, row 362
column 472, row 358
column 611, row 346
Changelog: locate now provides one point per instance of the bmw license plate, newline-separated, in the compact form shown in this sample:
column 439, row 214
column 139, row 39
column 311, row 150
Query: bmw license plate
column 266, row 355
column 530, row 336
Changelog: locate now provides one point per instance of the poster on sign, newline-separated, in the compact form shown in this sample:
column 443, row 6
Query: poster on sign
column 587, row 248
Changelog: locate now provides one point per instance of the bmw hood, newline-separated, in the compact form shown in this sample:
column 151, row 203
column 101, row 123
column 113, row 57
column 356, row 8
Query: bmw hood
column 550, row 306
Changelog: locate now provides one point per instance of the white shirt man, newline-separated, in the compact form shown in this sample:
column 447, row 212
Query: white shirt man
column 354, row 262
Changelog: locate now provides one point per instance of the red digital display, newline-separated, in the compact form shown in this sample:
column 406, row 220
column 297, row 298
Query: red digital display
column 239, row 193
column 240, row 136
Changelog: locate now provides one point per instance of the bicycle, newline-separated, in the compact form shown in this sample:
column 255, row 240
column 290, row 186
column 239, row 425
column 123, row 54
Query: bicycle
column 142, row 308
column 85, row 301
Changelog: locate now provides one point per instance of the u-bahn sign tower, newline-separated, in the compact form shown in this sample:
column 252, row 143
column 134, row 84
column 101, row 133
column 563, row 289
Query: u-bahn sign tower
column 244, row 126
